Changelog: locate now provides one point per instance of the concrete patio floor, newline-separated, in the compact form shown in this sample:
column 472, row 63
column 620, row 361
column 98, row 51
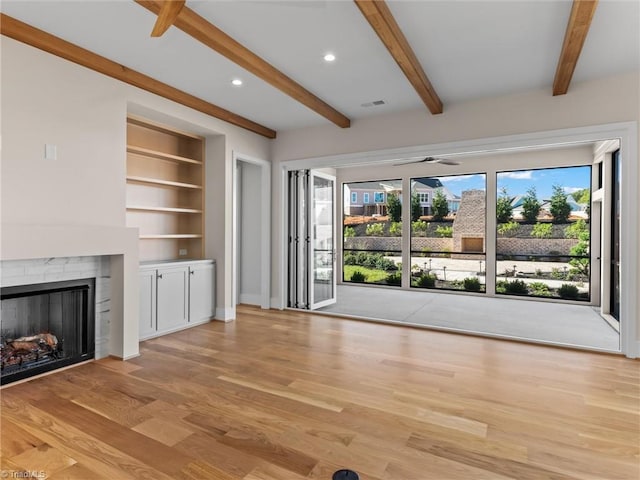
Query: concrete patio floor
column 547, row 322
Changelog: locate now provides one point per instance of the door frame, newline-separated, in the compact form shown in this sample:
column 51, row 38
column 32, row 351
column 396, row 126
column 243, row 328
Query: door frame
column 265, row 227
column 627, row 132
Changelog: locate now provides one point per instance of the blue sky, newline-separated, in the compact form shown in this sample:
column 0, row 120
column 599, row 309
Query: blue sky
column 518, row 182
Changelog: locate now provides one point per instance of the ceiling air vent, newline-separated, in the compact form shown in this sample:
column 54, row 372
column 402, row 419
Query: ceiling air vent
column 375, row 103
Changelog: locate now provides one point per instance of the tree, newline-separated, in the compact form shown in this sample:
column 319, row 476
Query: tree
column 581, row 265
column 394, row 207
column 530, row 206
column 416, row 209
column 504, row 209
column 440, row 205
column 582, row 196
column 560, row 208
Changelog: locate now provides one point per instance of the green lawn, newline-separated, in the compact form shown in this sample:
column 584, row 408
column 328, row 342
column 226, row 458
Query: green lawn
column 373, row 275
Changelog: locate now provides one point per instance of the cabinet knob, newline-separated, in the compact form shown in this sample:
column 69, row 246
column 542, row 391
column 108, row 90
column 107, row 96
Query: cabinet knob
column 192, row 272
column 159, row 275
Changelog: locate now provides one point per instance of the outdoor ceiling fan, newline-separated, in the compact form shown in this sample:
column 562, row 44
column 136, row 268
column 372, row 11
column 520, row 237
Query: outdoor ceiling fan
column 443, row 161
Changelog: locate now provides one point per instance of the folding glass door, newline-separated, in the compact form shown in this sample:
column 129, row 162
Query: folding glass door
column 311, row 240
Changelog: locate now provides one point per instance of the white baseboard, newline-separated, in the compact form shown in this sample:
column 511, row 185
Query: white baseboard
column 276, row 303
column 225, row 314
column 250, row 299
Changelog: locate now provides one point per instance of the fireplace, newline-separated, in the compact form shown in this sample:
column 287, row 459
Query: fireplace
column 46, row 326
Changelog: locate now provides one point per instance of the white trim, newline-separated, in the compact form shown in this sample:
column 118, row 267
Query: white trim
column 225, row 314
column 265, row 227
column 627, row 132
column 284, row 232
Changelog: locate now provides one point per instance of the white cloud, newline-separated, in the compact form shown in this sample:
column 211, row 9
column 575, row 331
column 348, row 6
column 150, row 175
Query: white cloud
column 570, row 190
column 522, row 175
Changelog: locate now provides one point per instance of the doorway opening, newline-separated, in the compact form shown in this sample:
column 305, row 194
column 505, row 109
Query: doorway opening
column 588, row 259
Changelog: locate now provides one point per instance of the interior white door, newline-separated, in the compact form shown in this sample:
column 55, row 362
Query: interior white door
column 322, row 251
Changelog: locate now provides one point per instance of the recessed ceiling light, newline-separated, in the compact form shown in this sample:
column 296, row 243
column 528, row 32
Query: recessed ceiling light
column 329, row 57
column 237, row 82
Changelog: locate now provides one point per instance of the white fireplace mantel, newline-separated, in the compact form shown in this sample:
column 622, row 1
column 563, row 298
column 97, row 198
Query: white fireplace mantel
column 22, row 242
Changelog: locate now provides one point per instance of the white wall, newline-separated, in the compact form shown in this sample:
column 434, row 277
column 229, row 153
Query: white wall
column 603, row 101
column 46, row 99
column 249, row 218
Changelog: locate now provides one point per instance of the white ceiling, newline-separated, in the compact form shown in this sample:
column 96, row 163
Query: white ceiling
column 469, row 49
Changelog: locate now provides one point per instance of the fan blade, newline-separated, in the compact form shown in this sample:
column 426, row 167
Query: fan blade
column 408, row 162
column 448, row 162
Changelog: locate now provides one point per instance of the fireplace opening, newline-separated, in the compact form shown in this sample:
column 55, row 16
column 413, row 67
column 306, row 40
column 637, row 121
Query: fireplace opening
column 45, row 326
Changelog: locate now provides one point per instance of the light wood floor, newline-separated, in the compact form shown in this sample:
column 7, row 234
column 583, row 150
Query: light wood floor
column 283, row 395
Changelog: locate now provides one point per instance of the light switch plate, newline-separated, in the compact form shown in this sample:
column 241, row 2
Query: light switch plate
column 182, row 252
column 50, row 152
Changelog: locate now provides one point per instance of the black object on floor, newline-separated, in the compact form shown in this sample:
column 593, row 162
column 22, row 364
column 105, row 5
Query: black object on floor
column 345, row 475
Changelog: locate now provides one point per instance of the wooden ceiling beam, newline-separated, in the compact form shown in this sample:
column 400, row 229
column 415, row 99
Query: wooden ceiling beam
column 577, row 28
column 42, row 40
column 381, row 20
column 199, row 28
column 168, row 14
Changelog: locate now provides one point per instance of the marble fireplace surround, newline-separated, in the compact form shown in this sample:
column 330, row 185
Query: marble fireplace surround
column 35, row 254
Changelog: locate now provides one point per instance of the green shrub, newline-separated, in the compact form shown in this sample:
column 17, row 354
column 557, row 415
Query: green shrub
column 539, row 289
column 509, row 229
column 560, row 208
column 369, row 260
column 576, row 229
column 358, row 277
column 568, row 291
column 419, row 227
column 349, row 232
column 395, row 229
column 394, row 207
column 375, row 229
column 471, row 284
column 516, row 287
column 394, row 279
column 542, row 230
column 504, row 210
column 439, row 205
column 444, row 231
column 558, row 274
column 427, row 280
column 501, row 286
column 530, row 206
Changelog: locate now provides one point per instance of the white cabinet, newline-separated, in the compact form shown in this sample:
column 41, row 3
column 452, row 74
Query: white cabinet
column 147, row 302
column 175, row 295
column 172, row 295
column 201, row 292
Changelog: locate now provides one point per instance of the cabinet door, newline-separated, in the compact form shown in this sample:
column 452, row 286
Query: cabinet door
column 147, row 317
column 173, row 283
column 202, row 291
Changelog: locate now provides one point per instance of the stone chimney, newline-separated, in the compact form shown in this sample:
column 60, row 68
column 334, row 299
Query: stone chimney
column 469, row 224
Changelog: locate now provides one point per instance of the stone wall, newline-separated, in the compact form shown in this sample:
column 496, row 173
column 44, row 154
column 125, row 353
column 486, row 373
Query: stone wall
column 435, row 244
column 534, row 246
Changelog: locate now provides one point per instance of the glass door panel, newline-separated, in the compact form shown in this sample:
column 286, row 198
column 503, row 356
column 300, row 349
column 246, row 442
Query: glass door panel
column 323, row 240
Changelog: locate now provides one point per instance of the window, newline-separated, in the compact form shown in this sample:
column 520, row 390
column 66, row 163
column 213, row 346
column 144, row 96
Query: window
column 543, row 233
column 354, row 197
column 448, row 246
column 372, row 243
